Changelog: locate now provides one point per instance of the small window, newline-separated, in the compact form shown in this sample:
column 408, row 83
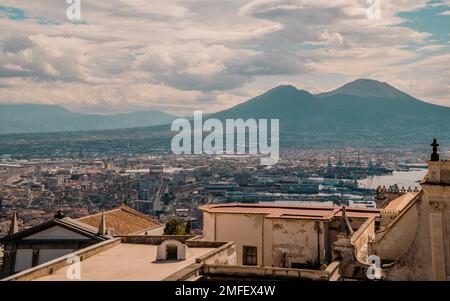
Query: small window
column 250, row 256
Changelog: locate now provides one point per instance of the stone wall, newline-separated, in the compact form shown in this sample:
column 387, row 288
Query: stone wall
column 270, row 273
column 361, row 238
column 396, row 239
column 224, row 255
column 153, row 240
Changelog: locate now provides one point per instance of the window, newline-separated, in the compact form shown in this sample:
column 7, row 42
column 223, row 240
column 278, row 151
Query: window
column 250, row 256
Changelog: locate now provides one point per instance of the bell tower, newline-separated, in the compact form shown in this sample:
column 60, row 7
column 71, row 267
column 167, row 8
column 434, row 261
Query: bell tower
column 436, row 198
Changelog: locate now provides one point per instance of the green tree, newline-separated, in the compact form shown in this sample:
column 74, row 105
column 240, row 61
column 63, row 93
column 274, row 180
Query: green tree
column 174, row 227
column 188, row 227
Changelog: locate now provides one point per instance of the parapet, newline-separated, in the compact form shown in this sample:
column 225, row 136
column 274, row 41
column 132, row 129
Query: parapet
column 438, row 173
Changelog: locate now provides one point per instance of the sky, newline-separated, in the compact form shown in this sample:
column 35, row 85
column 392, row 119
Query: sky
column 178, row 56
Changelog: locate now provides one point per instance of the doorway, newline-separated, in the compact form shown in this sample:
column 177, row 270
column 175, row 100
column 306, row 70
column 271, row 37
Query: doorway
column 172, row 252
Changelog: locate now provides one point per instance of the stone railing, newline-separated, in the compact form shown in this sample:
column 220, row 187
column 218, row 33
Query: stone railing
column 256, row 272
column 52, row 266
column 152, row 239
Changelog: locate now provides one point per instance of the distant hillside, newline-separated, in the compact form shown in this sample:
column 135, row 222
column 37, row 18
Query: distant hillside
column 364, row 113
column 32, row 118
column 367, row 88
column 363, row 109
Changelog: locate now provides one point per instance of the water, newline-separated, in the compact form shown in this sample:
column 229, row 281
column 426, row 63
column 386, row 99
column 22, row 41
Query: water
column 401, row 178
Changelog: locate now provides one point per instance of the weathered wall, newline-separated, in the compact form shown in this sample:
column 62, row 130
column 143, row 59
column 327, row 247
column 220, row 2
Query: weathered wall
column 415, row 263
column 245, row 230
column 361, row 238
column 428, row 258
column 437, row 203
column 394, row 241
column 301, row 241
column 208, row 226
column 153, row 240
column 224, row 255
column 245, row 272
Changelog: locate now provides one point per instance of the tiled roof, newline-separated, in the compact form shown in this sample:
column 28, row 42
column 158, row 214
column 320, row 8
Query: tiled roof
column 124, row 220
column 289, row 212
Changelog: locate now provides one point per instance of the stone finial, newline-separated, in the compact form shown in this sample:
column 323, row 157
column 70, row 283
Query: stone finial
column 14, row 227
column 435, row 155
column 59, row 215
column 102, row 226
column 345, row 227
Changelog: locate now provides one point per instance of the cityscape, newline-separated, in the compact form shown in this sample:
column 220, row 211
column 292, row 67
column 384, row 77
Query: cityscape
column 168, row 186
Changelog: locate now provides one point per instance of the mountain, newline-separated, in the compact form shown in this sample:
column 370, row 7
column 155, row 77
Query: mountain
column 367, row 88
column 363, row 113
column 361, row 110
column 283, row 102
column 32, row 118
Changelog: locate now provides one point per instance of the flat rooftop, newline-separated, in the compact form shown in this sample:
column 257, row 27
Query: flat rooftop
column 290, row 211
column 127, row 262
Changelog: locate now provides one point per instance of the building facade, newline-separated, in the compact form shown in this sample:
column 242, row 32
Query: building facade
column 283, row 236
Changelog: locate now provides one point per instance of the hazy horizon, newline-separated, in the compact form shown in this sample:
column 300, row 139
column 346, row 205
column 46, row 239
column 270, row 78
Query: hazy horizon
column 191, row 113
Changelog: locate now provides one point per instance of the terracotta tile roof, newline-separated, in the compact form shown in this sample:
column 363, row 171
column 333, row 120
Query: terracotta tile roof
column 124, row 220
column 289, row 212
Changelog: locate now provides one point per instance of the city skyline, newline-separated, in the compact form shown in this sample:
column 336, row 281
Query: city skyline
column 179, row 56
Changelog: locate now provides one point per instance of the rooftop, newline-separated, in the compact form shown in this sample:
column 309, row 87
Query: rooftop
column 289, row 212
column 127, row 262
column 124, row 220
column 398, row 204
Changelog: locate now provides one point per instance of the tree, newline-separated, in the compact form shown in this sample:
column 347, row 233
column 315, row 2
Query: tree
column 174, row 227
column 188, row 227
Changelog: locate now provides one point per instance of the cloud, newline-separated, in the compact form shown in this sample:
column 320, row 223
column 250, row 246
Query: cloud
column 195, row 66
column 180, row 55
column 45, row 58
column 15, row 44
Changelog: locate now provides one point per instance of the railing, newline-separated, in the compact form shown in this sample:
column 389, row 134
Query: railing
column 54, row 265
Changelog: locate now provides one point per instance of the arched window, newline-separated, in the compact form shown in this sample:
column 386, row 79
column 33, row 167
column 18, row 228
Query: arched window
column 172, row 250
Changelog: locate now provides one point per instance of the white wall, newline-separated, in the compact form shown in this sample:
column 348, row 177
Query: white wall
column 245, row 230
column 208, row 226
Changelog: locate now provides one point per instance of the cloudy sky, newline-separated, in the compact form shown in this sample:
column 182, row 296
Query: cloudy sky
column 181, row 55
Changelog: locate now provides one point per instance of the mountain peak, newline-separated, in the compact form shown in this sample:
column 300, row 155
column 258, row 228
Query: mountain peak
column 367, row 88
column 288, row 90
column 283, row 88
